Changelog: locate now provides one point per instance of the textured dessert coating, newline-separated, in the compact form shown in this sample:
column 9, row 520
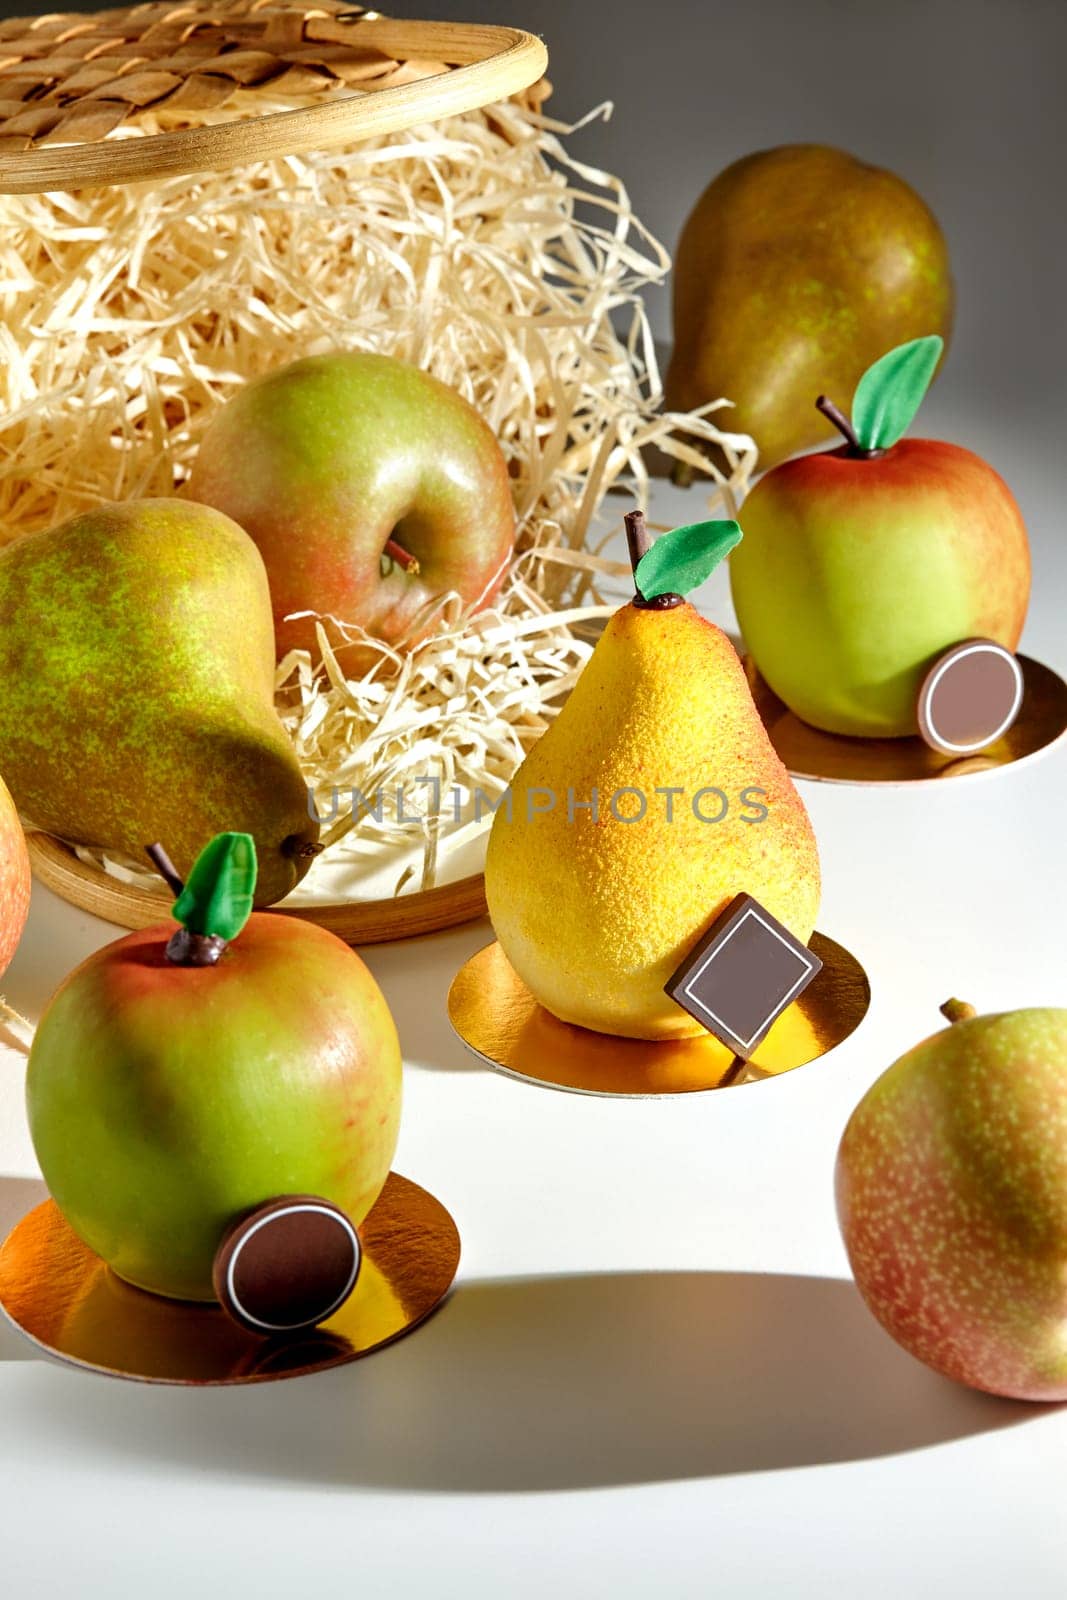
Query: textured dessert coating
column 596, row 914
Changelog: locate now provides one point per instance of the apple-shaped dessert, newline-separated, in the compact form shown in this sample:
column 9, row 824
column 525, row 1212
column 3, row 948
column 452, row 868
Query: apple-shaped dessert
column 371, row 489
column 14, row 878
column 181, row 1077
column 952, row 1197
column 861, row 565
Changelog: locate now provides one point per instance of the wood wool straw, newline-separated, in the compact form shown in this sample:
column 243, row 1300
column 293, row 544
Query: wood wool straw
column 477, row 248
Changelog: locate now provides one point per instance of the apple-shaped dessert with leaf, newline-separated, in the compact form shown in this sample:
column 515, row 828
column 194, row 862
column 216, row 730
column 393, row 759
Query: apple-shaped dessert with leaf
column 651, row 803
column 182, row 1076
column 952, row 1197
column 371, row 489
column 860, row 565
column 14, row 878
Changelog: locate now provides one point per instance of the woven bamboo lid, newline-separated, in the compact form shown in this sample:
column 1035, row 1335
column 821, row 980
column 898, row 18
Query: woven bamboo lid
column 72, row 84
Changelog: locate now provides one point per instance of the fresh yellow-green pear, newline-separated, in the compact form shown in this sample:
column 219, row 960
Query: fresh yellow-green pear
column 797, row 267
column 652, row 801
column 137, row 663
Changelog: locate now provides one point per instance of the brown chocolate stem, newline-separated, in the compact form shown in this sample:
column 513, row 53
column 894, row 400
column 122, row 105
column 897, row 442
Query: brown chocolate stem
column 639, row 542
column 958, row 1011
column 403, row 558
column 184, row 949
column 845, row 428
column 166, row 868
column 638, row 539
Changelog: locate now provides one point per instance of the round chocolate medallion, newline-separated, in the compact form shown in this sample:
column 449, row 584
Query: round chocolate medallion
column 969, row 697
column 287, row 1265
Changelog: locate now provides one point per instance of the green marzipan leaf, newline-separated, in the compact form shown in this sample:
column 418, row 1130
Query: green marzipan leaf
column 891, row 391
column 217, row 897
column 681, row 560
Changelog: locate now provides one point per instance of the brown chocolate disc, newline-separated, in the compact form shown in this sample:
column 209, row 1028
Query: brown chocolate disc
column 969, row 697
column 287, row 1265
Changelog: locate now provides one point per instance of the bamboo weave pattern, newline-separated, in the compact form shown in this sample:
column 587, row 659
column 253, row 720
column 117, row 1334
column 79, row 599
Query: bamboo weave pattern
column 76, row 78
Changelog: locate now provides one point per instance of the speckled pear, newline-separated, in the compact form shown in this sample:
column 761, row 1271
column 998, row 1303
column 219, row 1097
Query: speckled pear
column 595, row 911
column 137, row 661
column 797, row 267
column 952, row 1197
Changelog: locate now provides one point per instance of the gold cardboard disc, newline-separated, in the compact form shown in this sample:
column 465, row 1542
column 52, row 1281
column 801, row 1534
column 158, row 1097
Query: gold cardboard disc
column 498, row 1018
column 64, row 1298
column 834, row 758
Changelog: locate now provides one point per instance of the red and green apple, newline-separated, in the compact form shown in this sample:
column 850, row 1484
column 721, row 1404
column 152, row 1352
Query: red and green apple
column 185, row 1074
column 860, row 565
column 952, row 1198
column 371, row 489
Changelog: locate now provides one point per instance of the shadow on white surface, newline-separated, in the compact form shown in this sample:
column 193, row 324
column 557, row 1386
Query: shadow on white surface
column 545, row 1384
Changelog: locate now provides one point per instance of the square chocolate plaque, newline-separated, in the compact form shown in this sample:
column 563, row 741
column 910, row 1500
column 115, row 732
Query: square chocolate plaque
column 743, row 973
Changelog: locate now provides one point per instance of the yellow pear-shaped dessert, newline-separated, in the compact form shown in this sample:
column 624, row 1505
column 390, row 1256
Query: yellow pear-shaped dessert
column 610, row 864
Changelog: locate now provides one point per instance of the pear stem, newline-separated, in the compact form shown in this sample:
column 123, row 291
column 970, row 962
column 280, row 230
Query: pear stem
column 166, row 869
column 958, row 1011
column 639, row 542
column 403, row 558
column 638, row 539
column 845, row 428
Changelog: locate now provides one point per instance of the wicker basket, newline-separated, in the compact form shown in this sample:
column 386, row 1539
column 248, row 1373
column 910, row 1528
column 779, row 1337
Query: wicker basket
column 67, row 82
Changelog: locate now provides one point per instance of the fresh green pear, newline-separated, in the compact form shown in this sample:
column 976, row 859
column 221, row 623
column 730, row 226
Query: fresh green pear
column 137, row 659
column 796, row 268
column 952, row 1197
column 652, row 801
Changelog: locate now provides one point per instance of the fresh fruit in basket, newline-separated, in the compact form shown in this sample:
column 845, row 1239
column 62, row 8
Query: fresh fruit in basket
column 653, row 800
column 188, row 1073
column 371, row 488
column 14, row 878
column 137, row 657
column 860, row 565
column 952, row 1197
column 797, row 267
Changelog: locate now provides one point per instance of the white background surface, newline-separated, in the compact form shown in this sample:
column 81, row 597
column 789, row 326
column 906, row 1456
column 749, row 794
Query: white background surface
column 653, row 1376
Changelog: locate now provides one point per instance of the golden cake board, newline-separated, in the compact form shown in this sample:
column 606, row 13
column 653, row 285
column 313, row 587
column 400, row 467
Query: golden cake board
column 63, row 1298
column 498, row 1018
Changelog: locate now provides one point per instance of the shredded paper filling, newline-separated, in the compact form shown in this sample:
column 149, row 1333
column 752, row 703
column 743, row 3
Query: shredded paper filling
column 477, row 248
